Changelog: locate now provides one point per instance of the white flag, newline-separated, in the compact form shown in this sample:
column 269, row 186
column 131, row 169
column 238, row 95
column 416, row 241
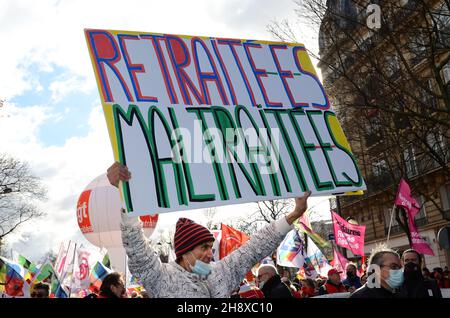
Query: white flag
column 66, row 265
column 80, row 279
column 291, row 252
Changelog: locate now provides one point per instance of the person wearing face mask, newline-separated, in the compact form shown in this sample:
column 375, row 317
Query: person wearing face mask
column 415, row 285
column 385, row 276
column 269, row 282
column 193, row 274
column 352, row 281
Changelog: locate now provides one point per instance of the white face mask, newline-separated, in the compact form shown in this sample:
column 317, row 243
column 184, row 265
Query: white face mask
column 261, row 284
column 200, row 268
column 395, row 279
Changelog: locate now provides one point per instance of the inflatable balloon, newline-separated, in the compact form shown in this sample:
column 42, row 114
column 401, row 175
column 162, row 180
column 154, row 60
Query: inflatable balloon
column 99, row 215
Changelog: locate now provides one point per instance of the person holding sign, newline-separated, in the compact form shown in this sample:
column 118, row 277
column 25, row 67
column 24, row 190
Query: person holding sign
column 193, row 275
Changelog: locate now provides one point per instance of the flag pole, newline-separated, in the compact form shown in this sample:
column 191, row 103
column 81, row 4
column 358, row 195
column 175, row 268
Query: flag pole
column 73, row 269
column 390, row 224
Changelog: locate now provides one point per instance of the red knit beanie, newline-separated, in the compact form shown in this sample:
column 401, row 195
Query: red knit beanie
column 188, row 235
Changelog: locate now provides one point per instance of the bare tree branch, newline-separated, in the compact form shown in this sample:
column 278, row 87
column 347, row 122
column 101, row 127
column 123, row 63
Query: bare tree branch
column 19, row 190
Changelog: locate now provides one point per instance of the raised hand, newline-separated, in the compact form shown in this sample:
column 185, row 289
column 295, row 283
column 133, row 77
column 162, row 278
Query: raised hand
column 118, row 172
column 301, row 205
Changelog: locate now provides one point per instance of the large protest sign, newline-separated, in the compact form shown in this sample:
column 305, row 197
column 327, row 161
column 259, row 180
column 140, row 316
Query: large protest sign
column 203, row 121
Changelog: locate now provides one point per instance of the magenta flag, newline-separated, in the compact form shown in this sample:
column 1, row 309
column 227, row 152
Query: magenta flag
column 349, row 236
column 339, row 262
column 406, row 201
column 404, row 198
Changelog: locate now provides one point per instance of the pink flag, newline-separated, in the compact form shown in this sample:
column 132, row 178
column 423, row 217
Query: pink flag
column 339, row 262
column 418, row 242
column 405, row 200
column 349, row 236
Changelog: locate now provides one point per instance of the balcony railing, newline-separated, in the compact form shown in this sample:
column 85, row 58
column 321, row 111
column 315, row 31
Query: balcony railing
column 379, row 182
column 426, row 163
column 372, row 138
column 447, row 214
column 421, row 222
column 396, row 229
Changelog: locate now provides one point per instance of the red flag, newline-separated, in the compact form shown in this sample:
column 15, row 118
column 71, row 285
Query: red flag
column 14, row 282
column 363, row 266
column 231, row 240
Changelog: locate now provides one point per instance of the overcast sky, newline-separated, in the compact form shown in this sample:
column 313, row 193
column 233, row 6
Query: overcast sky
column 53, row 118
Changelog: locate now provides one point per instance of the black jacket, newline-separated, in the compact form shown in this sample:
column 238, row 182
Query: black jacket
column 421, row 288
column 275, row 288
column 366, row 292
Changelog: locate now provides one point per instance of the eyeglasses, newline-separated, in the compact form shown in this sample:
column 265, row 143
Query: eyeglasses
column 392, row 266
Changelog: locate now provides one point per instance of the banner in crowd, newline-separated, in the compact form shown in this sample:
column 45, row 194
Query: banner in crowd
column 48, row 275
column 106, row 261
column 12, row 278
column 80, row 279
column 291, row 251
column 64, row 265
column 230, row 240
column 30, row 269
column 349, row 236
column 60, row 259
column 315, row 256
column 98, row 273
column 405, row 200
column 247, row 120
column 227, row 240
column 304, row 226
column 339, row 263
column 308, row 270
column 216, row 245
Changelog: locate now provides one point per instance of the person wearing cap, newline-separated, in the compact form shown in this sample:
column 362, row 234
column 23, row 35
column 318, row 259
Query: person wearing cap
column 333, row 284
column 192, row 274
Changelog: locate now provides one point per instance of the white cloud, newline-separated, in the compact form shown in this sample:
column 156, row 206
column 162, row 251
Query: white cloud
column 64, row 170
column 63, row 87
column 45, row 34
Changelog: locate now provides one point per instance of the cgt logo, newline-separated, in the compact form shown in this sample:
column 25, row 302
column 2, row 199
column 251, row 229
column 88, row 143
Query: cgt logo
column 83, row 212
column 83, row 268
